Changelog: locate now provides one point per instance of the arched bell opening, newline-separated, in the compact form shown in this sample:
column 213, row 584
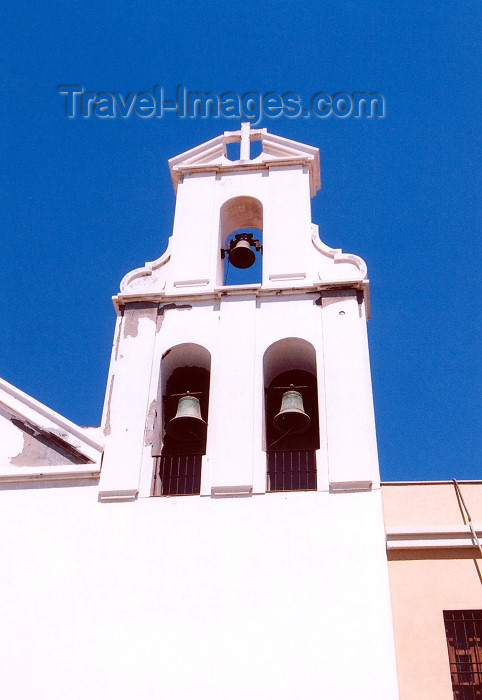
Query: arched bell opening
column 242, row 257
column 292, row 430
column 186, row 405
column 241, row 241
column 185, row 379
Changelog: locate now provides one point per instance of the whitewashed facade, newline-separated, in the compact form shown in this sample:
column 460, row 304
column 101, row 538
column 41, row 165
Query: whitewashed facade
column 241, row 590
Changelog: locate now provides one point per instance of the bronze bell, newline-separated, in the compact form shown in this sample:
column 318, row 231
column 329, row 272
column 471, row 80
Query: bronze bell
column 187, row 425
column 242, row 255
column 292, row 418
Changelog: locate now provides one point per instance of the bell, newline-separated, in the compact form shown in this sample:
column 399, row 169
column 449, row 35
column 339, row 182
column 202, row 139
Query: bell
column 292, row 417
column 187, row 425
column 242, row 255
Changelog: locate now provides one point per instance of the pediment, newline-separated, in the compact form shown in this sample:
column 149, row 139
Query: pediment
column 211, row 156
column 36, row 442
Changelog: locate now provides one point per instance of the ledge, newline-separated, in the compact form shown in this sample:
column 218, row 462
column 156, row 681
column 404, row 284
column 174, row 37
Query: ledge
column 227, row 167
column 429, row 537
column 238, row 290
column 231, row 491
column 350, row 486
column 49, row 474
column 120, row 496
column 430, row 483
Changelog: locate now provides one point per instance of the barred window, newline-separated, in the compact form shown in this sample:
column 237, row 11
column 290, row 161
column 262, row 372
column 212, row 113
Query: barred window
column 291, row 470
column 178, row 475
column 463, row 629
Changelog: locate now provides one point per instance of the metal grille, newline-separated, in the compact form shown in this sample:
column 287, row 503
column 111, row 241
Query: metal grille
column 178, row 475
column 464, row 632
column 292, row 471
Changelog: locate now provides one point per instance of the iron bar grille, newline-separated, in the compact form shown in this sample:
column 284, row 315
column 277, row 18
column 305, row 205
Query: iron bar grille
column 293, row 470
column 178, row 475
column 463, row 629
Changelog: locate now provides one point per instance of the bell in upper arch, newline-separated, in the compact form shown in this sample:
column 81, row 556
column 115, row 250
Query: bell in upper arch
column 242, row 255
column 292, row 418
column 187, row 425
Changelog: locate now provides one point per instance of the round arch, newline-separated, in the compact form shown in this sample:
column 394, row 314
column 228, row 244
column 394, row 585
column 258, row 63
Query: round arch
column 183, row 355
column 288, row 354
column 238, row 213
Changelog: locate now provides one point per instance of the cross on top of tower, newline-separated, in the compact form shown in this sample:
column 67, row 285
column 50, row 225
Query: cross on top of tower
column 244, row 135
column 211, row 156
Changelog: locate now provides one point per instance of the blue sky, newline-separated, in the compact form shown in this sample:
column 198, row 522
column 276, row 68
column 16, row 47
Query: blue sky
column 83, row 201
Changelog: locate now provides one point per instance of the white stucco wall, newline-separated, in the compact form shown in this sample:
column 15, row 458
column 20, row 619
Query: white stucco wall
column 282, row 595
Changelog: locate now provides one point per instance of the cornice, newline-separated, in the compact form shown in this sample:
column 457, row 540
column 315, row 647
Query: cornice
column 228, row 167
column 257, row 290
column 50, row 474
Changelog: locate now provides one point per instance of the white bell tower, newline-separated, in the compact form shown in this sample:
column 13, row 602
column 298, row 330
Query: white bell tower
column 307, row 314
column 248, row 406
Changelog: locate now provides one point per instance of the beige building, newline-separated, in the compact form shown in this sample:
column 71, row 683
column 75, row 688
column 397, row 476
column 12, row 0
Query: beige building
column 435, row 568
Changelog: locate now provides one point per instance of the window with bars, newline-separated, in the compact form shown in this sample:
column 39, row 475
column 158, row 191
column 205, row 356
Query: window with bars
column 294, row 470
column 178, row 475
column 463, row 629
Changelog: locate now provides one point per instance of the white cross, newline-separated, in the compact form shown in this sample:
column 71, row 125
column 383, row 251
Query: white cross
column 245, row 141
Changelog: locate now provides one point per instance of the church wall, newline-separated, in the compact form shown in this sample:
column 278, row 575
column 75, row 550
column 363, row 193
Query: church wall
column 112, row 593
column 282, row 595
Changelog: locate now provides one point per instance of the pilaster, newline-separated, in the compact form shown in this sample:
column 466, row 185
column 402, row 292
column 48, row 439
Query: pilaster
column 127, row 400
column 232, row 399
column 352, row 450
